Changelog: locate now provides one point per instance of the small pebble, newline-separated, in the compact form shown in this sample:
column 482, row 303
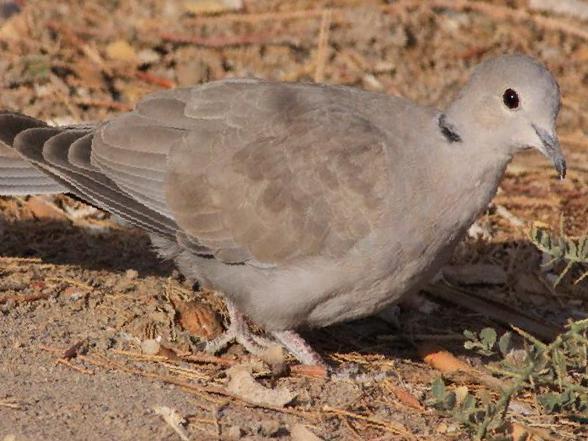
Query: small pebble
column 150, row 347
column 233, row 433
column 269, row 427
column 131, row 274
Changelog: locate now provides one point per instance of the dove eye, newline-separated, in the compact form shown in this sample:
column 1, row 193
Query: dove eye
column 511, row 99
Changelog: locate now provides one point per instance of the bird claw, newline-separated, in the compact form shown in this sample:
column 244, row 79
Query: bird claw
column 239, row 332
column 252, row 343
column 298, row 347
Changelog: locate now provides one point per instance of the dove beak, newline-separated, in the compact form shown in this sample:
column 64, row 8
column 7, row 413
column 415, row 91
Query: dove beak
column 550, row 148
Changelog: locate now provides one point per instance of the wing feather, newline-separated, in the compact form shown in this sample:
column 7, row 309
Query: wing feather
column 48, row 148
column 293, row 173
column 247, row 171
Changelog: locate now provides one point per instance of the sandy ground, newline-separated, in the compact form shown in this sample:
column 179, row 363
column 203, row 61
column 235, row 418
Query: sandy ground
column 79, row 292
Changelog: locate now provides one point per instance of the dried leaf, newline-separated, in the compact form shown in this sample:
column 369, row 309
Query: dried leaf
column 43, row 209
column 461, row 392
column 15, row 28
column 302, row 433
column 175, row 421
column 121, row 50
column 198, row 319
column 243, row 385
column 306, row 370
column 405, row 397
column 87, row 71
column 442, row 360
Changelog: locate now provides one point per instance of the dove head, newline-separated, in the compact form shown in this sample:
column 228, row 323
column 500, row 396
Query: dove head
column 509, row 104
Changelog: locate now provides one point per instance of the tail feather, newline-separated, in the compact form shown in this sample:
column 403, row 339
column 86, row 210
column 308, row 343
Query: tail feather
column 102, row 191
column 36, row 158
column 18, row 176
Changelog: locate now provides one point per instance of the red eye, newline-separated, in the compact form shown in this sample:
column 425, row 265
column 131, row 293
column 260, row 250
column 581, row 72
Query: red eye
column 511, row 99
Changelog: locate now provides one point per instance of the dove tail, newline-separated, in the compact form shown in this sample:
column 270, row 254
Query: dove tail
column 36, row 158
column 17, row 175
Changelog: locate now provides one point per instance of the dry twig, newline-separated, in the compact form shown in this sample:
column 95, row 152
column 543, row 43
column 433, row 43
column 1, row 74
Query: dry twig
column 218, row 41
column 24, row 298
column 322, row 47
column 499, row 312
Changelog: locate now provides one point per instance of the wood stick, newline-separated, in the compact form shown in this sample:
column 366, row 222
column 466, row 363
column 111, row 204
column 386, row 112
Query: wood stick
column 322, row 47
column 24, row 298
column 217, row 41
column 496, row 311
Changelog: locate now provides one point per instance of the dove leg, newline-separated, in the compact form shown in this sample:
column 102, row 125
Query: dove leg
column 239, row 332
column 298, row 347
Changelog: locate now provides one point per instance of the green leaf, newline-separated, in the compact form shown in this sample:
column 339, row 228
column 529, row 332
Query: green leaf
column 450, row 400
column 438, row 389
column 471, row 344
column 469, row 403
column 550, row 401
column 470, row 335
column 488, row 337
column 504, row 343
column 571, row 250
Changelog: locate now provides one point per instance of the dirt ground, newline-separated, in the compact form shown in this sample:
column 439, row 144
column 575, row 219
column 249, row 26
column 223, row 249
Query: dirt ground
column 82, row 295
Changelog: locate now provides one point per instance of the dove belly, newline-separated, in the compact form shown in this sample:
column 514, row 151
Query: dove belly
column 320, row 291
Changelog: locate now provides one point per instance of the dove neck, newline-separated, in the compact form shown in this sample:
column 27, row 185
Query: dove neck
column 473, row 184
column 477, row 129
column 476, row 158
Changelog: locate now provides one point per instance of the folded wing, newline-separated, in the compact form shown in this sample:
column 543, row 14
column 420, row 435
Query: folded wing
column 286, row 171
column 246, row 171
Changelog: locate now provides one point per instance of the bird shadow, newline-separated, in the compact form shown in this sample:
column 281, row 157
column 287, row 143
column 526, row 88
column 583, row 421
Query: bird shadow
column 118, row 250
column 413, row 329
column 62, row 243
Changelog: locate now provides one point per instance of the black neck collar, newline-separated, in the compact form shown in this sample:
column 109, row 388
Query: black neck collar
column 448, row 130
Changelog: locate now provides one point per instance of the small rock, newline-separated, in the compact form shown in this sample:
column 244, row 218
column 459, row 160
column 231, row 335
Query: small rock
column 269, row 427
column 73, row 292
column 372, row 83
column 131, row 274
column 233, row 433
column 479, row 231
column 150, row 347
column 275, row 357
column 301, row 433
column 148, row 56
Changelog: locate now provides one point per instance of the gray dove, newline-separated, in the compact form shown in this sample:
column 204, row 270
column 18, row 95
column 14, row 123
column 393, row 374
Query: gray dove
column 303, row 204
